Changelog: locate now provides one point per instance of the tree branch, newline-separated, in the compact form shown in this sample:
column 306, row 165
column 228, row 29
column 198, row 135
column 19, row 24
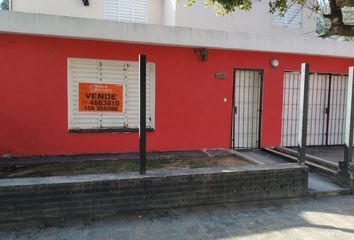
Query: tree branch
column 344, row 30
column 345, row 3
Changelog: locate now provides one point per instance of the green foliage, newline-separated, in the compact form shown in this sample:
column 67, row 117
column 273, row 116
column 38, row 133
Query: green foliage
column 157, row 163
column 4, row 5
column 151, row 164
column 281, row 6
column 328, row 24
column 348, row 15
column 323, row 25
column 133, row 166
column 223, row 7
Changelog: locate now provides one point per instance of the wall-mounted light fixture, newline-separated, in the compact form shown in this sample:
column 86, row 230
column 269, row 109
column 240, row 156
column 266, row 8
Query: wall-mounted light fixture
column 274, row 63
column 202, row 53
column 86, row 2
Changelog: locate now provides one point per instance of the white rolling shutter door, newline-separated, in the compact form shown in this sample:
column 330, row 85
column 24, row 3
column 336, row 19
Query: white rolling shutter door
column 132, row 80
column 84, row 71
column 114, row 72
column 125, row 73
column 126, row 10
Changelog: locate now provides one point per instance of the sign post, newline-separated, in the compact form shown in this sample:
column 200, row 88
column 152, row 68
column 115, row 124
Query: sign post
column 142, row 116
column 303, row 109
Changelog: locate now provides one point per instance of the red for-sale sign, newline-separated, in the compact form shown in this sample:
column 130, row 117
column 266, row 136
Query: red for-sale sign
column 100, row 97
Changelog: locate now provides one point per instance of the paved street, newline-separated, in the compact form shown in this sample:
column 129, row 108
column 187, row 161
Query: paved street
column 310, row 218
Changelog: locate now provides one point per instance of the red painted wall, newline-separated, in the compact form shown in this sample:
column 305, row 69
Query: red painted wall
column 190, row 111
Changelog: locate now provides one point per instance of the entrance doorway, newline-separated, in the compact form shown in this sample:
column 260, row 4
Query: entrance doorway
column 326, row 109
column 247, row 108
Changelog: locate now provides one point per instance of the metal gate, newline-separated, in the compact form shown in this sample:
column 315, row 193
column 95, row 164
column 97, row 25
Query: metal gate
column 326, row 109
column 247, row 108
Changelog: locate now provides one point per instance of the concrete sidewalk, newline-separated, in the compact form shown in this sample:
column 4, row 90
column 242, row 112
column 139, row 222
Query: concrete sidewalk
column 309, row 218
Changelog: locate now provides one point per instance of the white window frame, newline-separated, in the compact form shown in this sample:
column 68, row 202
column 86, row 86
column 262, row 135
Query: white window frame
column 72, row 127
column 280, row 21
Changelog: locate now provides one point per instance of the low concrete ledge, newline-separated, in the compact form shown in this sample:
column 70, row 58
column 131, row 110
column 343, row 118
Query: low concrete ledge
column 314, row 159
column 80, row 158
column 58, row 198
column 246, row 158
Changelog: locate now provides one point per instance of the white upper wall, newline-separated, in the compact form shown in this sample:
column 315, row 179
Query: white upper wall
column 60, row 7
column 81, row 28
column 257, row 20
column 76, row 8
column 156, row 11
column 171, row 12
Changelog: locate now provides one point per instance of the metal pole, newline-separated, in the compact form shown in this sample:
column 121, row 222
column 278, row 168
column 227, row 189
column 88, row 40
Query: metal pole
column 344, row 166
column 142, row 100
column 303, row 109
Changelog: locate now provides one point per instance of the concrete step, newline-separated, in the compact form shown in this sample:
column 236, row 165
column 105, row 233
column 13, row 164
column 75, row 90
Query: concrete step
column 314, row 164
column 309, row 158
column 321, row 169
column 330, row 193
column 321, row 182
column 245, row 157
column 283, row 155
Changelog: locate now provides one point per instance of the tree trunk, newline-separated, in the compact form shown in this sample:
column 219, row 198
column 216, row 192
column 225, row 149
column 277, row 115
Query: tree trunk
column 336, row 17
column 345, row 3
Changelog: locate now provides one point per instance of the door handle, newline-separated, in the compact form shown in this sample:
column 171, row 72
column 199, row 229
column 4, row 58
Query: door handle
column 235, row 109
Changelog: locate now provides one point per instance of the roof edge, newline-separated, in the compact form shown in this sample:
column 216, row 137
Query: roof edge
column 94, row 29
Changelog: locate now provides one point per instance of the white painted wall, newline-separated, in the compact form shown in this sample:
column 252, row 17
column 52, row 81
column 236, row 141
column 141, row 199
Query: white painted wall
column 156, row 11
column 170, row 12
column 81, row 28
column 258, row 20
column 75, row 8
column 60, row 7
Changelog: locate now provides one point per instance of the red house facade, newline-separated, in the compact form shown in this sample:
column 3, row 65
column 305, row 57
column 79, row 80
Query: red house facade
column 233, row 99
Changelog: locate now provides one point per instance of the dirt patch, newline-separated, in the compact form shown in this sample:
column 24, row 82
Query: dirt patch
column 114, row 166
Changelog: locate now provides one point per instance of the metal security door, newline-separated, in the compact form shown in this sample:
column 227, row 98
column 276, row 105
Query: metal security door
column 247, row 108
column 317, row 109
column 325, row 124
column 336, row 117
